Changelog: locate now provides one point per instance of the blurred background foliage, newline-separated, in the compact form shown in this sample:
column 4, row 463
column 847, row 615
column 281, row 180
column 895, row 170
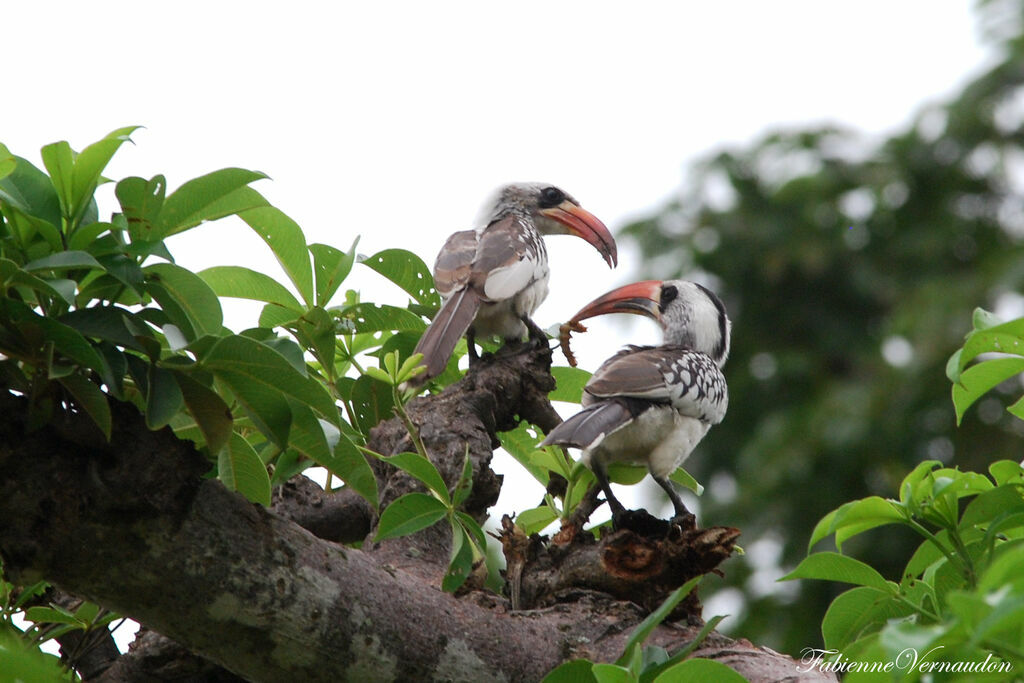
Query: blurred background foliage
column 850, row 268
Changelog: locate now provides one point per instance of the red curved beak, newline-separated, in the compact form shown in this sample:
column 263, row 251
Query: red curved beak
column 640, row 298
column 586, row 225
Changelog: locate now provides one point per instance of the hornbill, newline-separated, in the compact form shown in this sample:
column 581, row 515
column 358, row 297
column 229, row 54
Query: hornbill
column 494, row 277
column 653, row 404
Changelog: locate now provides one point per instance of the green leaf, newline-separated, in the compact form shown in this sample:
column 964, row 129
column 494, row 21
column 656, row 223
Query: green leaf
column 285, row 239
column 700, row 671
column 857, row 612
column 419, row 468
column 209, row 197
column 164, row 399
column 348, row 464
column 266, row 367
column 1006, row 472
column 372, row 401
column 91, row 399
column 867, row 513
column 12, row 275
column 460, row 564
column 576, row 671
column 536, row 519
column 8, row 162
column 1003, row 338
column 611, row 673
column 141, row 202
column 659, row 615
column 979, row 379
column 58, row 158
column 331, row 267
column 51, row 615
column 569, row 383
column 88, row 167
column 409, row 514
column 30, row 191
column 408, row 271
column 652, row 673
column 989, row 505
column 684, row 478
column 208, row 409
column 367, row 317
column 240, row 469
column 37, row 330
column 521, row 444
column 244, row 283
column 63, row 260
column 836, row 567
column 186, row 298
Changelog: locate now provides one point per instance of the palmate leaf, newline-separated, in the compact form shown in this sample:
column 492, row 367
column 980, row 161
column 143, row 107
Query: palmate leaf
column 257, row 367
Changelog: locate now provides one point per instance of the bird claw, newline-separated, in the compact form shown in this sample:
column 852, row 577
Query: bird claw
column 640, row 522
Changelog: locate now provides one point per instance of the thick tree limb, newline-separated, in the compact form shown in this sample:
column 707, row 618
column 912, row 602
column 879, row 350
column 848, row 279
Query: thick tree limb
column 133, row 526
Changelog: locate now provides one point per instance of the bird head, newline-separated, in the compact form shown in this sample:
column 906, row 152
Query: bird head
column 553, row 212
column 690, row 314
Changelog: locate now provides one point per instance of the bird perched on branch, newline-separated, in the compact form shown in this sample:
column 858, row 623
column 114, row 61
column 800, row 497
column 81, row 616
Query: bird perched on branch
column 652, row 404
column 494, row 277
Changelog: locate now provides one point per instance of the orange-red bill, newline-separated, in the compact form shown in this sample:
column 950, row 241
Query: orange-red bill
column 587, row 226
column 639, row 298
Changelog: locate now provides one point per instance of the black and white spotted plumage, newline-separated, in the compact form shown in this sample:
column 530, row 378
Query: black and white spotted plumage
column 653, row 404
column 493, row 278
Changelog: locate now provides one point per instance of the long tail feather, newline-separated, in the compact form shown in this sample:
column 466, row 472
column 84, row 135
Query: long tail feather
column 592, row 424
column 440, row 338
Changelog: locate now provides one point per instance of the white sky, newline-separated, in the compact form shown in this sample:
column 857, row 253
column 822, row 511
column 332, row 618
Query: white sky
column 393, row 120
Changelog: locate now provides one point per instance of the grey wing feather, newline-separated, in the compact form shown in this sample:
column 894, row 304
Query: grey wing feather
column 454, row 263
column 688, row 380
column 584, row 428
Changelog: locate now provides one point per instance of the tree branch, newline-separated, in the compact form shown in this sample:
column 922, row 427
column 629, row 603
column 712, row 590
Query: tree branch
column 132, row 525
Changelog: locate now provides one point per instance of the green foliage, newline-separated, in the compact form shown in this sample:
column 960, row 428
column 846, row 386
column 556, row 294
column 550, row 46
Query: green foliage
column 829, row 248
column 651, row 664
column 961, row 594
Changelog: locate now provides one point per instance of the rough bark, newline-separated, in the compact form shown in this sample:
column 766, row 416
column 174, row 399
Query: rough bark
column 133, row 526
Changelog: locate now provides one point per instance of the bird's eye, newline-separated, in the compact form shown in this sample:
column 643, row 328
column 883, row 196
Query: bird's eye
column 668, row 295
column 551, row 196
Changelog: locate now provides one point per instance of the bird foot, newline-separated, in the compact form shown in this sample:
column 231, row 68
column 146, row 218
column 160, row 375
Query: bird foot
column 642, row 523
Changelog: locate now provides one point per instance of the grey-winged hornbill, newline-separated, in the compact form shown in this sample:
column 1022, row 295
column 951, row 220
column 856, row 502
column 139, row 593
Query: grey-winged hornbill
column 494, row 277
column 653, row 404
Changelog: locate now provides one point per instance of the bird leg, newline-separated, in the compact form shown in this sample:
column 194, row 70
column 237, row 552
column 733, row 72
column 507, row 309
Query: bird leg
column 601, row 475
column 474, row 357
column 681, row 512
column 537, row 335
